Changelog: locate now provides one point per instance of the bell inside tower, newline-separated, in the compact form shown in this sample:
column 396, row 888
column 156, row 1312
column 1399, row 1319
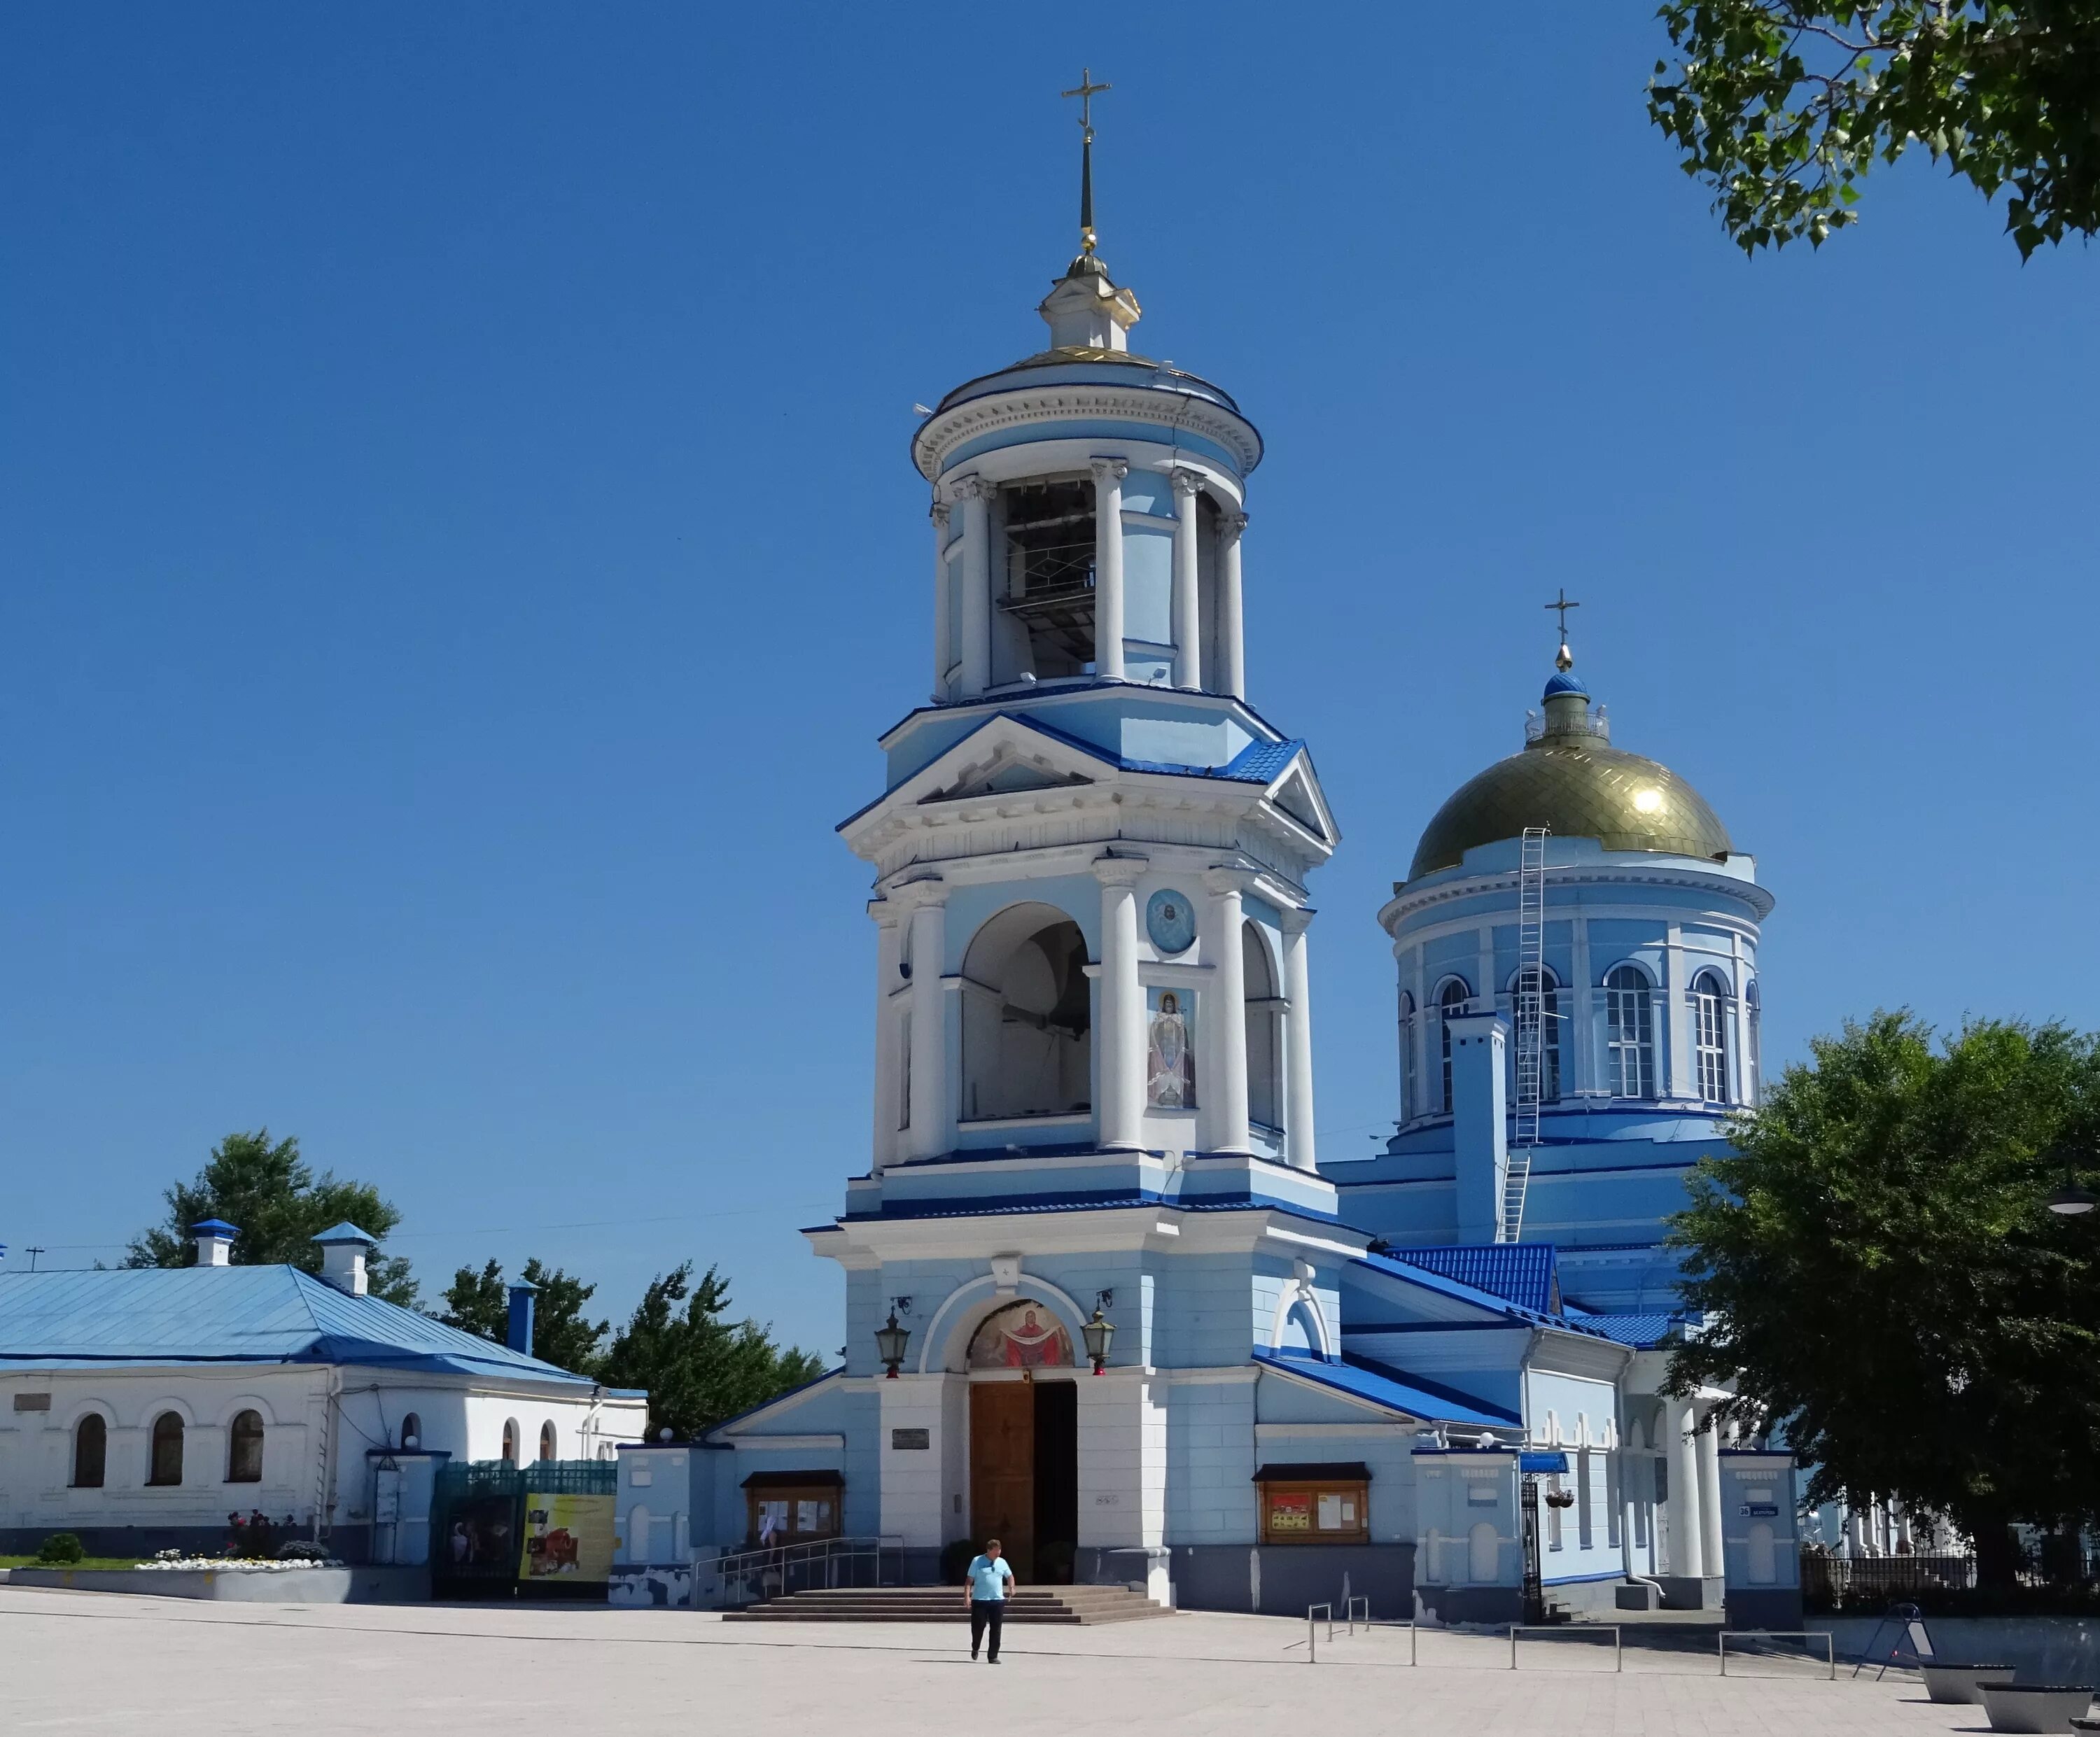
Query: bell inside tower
column 1046, row 600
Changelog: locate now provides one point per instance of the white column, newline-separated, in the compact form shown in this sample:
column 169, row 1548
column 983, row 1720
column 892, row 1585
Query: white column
column 1709, row 1504
column 932, row 1109
column 1119, row 1051
column 977, row 494
column 1188, row 616
column 1109, row 474
column 1221, row 1099
column 1298, row 1041
column 889, row 1073
column 1680, row 1425
column 1232, row 639
column 939, row 514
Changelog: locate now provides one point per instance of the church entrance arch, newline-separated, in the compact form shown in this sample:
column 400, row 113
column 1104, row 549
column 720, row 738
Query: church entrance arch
column 1025, row 1439
column 1027, row 1017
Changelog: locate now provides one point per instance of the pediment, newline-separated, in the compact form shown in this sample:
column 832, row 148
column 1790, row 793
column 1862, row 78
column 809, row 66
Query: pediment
column 1010, row 770
column 1298, row 793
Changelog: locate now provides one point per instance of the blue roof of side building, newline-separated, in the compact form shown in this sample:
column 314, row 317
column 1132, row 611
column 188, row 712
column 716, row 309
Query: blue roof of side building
column 1642, row 1332
column 218, row 1315
column 1363, row 1378
column 1523, row 1273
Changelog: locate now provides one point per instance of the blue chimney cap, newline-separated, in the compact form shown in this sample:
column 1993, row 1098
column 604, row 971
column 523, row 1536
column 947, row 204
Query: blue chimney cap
column 1563, row 682
column 344, row 1232
column 213, row 1227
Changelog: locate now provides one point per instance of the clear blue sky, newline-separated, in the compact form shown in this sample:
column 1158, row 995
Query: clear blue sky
column 459, row 548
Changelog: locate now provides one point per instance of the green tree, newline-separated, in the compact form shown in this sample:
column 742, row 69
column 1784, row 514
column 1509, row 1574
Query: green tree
column 479, row 1304
column 1781, row 106
column 1882, row 1272
column 277, row 1204
column 699, row 1369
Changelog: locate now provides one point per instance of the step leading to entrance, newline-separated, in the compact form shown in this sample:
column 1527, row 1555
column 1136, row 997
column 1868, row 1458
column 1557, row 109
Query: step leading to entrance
column 1065, row 1605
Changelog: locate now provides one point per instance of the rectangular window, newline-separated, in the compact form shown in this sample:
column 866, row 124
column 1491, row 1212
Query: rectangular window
column 1315, row 1504
column 792, row 1507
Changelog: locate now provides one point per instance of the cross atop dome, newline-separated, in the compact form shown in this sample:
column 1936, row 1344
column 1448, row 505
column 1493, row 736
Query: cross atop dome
column 1085, row 309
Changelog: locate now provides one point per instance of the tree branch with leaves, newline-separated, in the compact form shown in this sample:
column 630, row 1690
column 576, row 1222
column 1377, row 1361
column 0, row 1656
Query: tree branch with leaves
column 1781, row 108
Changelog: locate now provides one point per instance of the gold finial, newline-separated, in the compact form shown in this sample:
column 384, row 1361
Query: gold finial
column 1564, row 660
column 1087, row 90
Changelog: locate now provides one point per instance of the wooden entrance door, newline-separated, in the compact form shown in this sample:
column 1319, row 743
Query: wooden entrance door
column 1002, row 1469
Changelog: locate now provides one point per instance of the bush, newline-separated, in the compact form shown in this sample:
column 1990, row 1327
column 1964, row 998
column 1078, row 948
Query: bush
column 61, row 1547
column 301, row 1550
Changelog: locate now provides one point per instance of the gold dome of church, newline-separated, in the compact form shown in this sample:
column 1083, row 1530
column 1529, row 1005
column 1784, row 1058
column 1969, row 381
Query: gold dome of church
column 1570, row 780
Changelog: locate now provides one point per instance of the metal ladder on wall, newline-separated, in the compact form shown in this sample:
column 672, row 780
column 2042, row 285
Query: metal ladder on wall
column 1530, row 1011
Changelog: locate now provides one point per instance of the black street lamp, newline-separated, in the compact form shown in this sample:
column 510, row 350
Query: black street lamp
column 1100, row 1332
column 2070, row 1200
column 890, row 1340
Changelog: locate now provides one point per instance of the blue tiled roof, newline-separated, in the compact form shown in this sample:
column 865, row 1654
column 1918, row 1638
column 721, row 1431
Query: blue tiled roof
column 1518, row 1273
column 1362, row 1378
column 1561, row 682
column 1434, row 1281
column 231, row 1315
column 1643, row 1332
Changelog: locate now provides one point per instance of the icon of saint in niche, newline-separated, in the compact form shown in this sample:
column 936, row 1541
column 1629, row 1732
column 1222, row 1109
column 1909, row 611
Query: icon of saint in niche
column 1170, row 1066
column 1021, row 1336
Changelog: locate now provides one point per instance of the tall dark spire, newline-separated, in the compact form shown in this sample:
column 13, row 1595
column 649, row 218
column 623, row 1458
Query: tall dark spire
column 1087, row 91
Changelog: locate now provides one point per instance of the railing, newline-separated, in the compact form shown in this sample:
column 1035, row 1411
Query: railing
column 823, row 1564
column 1833, row 1580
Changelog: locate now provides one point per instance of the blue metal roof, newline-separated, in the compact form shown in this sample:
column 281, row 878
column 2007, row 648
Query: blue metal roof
column 1518, row 1273
column 178, row 1315
column 1561, row 682
column 1362, row 1378
column 1643, row 1332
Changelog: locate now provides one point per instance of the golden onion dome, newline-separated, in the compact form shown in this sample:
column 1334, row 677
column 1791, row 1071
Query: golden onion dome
column 1571, row 779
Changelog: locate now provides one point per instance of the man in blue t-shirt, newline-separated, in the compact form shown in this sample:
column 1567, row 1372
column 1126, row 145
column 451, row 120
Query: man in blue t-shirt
column 988, row 1575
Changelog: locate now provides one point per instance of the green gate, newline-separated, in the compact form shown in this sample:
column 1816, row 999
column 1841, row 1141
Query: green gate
column 542, row 1531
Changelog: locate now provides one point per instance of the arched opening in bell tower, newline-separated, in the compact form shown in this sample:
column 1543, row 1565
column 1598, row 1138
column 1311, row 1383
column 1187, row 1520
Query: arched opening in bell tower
column 1265, row 1032
column 1027, row 1017
column 1042, row 584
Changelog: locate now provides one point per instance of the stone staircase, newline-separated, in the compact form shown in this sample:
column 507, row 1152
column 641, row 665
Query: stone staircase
column 1027, row 1605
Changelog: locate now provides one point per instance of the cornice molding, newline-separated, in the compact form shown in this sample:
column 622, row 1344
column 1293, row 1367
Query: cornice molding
column 1405, row 904
column 1024, row 405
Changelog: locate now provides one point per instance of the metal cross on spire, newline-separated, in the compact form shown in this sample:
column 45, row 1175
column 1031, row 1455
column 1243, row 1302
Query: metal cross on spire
column 1087, row 90
column 1565, row 659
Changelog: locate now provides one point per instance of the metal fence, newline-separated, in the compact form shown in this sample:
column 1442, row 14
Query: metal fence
column 479, row 1535
column 821, row 1565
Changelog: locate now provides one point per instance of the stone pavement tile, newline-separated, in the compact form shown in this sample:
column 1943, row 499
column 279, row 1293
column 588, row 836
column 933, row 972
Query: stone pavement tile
column 86, row 1662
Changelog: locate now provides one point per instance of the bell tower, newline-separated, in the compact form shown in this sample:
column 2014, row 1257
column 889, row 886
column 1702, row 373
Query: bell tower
column 1090, row 859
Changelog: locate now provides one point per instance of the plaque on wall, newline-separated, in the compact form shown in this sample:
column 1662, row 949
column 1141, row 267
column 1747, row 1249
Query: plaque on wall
column 906, row 1438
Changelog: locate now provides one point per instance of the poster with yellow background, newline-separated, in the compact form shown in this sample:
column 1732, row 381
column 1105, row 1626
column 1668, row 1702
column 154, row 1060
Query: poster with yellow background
column 567, row 1536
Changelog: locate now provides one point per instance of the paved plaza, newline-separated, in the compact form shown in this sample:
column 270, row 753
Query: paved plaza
column 92, row 1662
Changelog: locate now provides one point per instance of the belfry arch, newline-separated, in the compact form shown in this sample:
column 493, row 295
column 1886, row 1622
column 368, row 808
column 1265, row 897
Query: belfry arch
column 1027, row 1017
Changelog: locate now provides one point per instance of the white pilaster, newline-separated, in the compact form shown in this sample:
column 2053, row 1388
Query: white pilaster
column 1578, row 1048
column 1221, row 1098
column 1298, row 1041
column 1109, row 474
column 1119, row 1055
column 1123, row 1469
column 1675, row 1028
column 932, row 1104
column 939, row 514
column 1188, row 616
column 976, row 493
column 890, row 992
column 914, row 1490
column 1232, row 640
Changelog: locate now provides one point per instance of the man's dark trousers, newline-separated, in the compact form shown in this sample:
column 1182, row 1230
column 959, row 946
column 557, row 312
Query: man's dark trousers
column 986, row 1613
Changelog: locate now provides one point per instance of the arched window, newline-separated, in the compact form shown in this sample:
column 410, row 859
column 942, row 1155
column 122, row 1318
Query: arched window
column 411, row 1431
column 510, row 1441
column 91, row 1451
column 244, row 1448
column 1483, row 1554
column 167, row 1457
column 1265, row 1053
column 1027, row 1017
column 548, row 1441
column 1451, row 1001
column 1629, row 1032
column 1709, row 1031
column 1549, row 1036
column 1410, row 1092
column 1753, row 1085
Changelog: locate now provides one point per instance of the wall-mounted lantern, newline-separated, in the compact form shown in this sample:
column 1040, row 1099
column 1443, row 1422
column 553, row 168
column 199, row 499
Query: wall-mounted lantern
column 1100, row 1332
column 890, row 1340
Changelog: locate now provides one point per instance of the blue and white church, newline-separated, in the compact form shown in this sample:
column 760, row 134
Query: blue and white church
column 1105, row 1300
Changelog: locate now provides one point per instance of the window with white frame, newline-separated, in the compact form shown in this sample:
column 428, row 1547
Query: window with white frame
column 1451, row 1001
column 1410, row 1101
column 1753, row 1084
column 1709, row 1027
column 1549, row 1036
column 1629, row 1032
